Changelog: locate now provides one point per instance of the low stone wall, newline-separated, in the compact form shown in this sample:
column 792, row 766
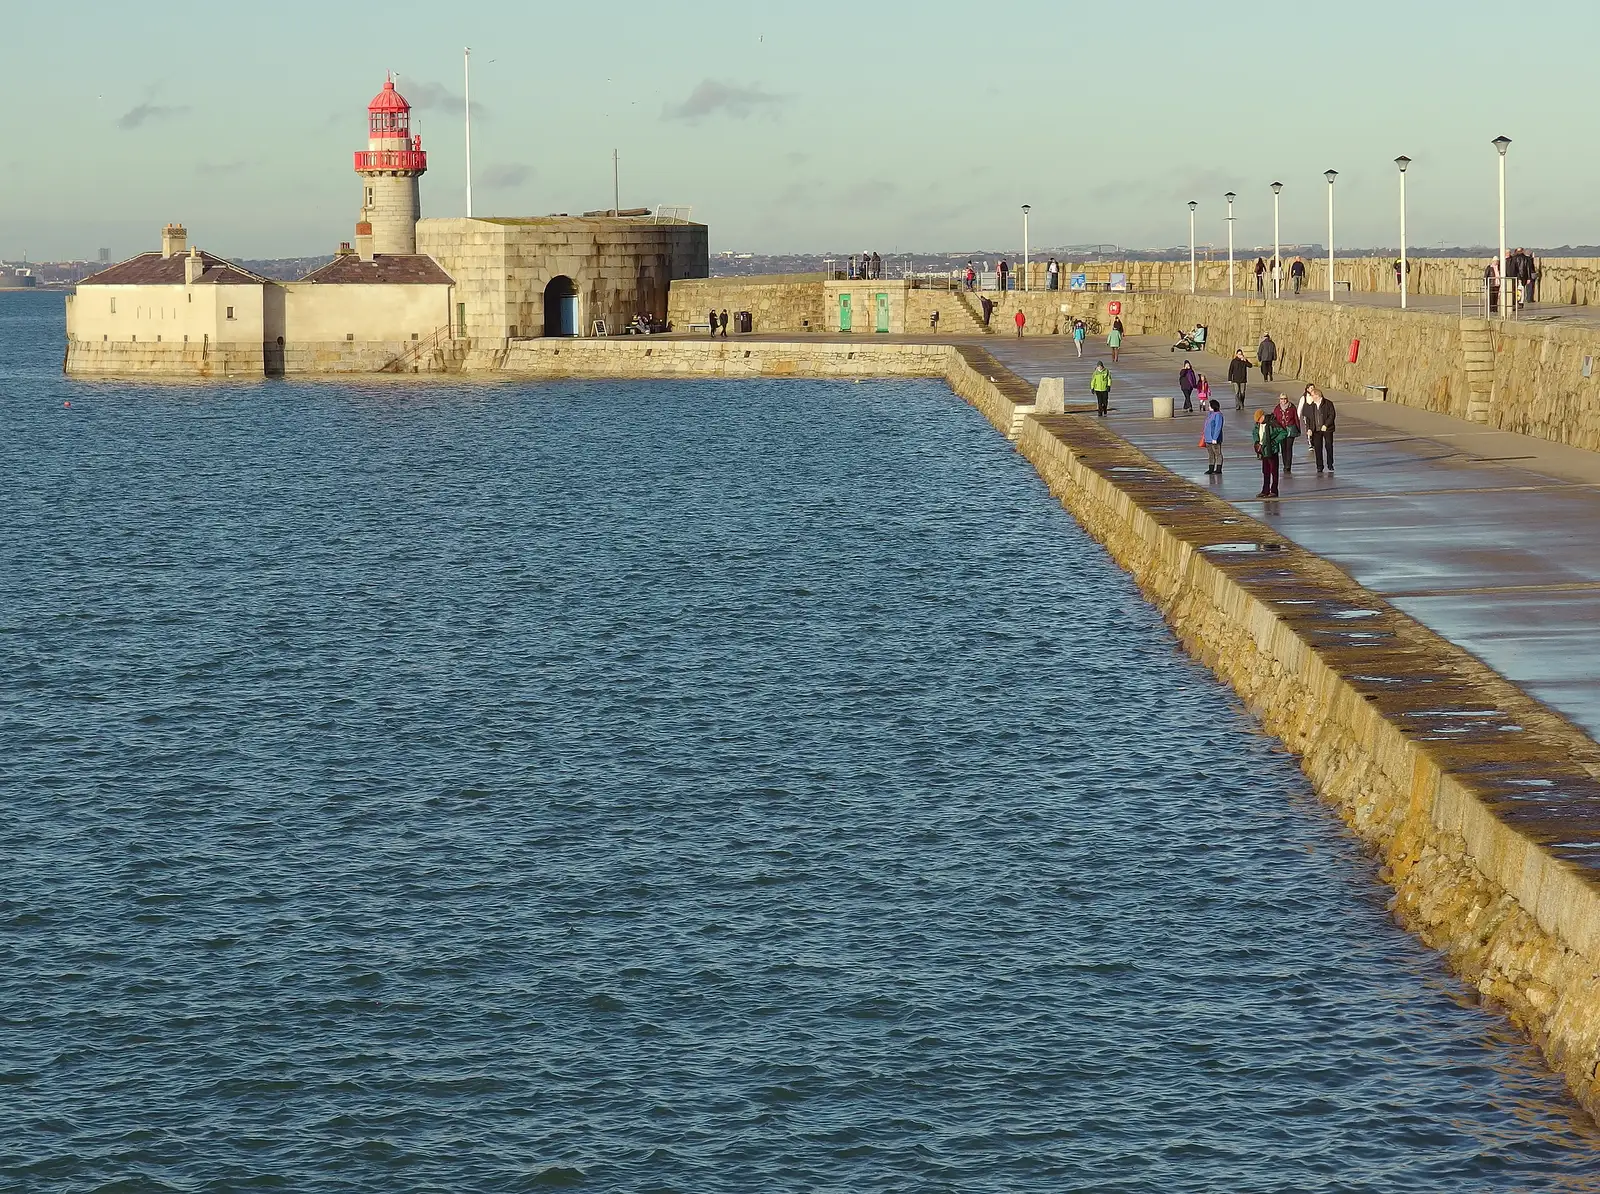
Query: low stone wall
column 355, row 356
column 715, row 358
column 1562, row 279
column 161, row 360
column 777, row 303
column 87, row 358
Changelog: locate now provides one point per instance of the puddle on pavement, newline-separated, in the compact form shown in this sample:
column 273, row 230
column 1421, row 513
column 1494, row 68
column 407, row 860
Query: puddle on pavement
column 1242, row 547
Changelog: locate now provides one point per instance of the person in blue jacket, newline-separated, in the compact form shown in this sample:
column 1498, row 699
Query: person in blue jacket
column 1211, row 437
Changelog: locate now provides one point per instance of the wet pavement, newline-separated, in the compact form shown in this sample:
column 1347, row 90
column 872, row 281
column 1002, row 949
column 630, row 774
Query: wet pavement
column 1490, row 539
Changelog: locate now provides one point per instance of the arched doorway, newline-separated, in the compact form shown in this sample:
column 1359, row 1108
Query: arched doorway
column 561, row 307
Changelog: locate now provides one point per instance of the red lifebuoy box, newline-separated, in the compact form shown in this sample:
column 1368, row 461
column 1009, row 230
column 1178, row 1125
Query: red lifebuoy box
column 1355, row 351
column 1114, row 307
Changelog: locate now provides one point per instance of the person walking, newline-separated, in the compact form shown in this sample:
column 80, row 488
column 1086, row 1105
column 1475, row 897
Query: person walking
column 1266, row 353
column 877, row 266
column 1202, row 391
column 1322, row 426
column 1239, row 375
column 1004, row 273
column 1114, row 340
column 711, row 319
column 1267, row 439
column 1187, row 380
column 1306, row 410
column 1297, row 273
column 1100, row 386
column 1021, row 321
column 723, row 320
column 1080, row 332
column 1261, row 275
column 1286, row 417
column 987, row 304
column 1053, row 275
column 1211, row 439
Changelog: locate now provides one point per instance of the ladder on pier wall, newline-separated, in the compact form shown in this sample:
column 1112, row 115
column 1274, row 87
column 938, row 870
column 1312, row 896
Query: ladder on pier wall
column 1477, row 352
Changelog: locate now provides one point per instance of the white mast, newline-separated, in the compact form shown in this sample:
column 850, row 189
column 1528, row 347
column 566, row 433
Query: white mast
column 466, row 68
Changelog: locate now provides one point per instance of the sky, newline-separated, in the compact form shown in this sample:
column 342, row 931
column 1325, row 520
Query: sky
column 814, row 127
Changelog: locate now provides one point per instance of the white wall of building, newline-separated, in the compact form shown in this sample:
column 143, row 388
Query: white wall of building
column 321, row 312
column 167, row 314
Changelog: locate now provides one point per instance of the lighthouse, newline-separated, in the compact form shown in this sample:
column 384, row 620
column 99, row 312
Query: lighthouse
column 389, row 168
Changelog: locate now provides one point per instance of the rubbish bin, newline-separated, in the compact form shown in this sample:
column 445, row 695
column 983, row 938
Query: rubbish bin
column 745, row 321
column 1161, row 408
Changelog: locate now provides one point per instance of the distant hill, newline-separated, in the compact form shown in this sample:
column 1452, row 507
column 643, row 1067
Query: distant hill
column 286, row 269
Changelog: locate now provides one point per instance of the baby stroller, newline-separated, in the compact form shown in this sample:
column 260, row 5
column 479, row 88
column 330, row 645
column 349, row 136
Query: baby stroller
column 1193, row 341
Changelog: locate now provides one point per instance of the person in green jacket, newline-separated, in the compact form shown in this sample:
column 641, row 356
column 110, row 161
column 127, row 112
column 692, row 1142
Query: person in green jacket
column 1267, row 436
column 1100, row 384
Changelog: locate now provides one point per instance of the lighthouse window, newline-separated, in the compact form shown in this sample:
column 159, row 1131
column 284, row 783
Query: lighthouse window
column 113, row 306
column 230, row 312
column 369, row 196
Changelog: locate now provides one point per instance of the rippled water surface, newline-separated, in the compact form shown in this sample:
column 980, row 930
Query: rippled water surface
column 647, row 787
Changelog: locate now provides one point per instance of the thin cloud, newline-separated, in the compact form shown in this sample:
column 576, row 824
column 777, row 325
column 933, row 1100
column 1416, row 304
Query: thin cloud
column 505, row 176
column 711, row 98
column 435, row 97
column 147, row 112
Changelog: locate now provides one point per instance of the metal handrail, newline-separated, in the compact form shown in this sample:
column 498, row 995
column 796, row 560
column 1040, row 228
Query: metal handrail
column 415, row 350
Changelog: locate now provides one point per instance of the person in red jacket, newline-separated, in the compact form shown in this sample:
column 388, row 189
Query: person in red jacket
column 1285, row 416
column 1021, row 319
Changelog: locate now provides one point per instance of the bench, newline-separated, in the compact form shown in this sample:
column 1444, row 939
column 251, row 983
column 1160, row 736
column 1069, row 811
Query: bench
column 1345, row 282
column 700, row 327
column 1377, row 393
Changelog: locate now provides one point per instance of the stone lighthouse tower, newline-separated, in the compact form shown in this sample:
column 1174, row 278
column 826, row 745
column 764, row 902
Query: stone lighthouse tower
column 390, row 167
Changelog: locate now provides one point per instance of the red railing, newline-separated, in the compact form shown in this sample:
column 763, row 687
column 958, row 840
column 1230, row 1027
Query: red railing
column 391, row 159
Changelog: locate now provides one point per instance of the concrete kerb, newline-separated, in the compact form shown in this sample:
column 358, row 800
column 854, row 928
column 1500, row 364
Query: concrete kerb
column 1383, row 719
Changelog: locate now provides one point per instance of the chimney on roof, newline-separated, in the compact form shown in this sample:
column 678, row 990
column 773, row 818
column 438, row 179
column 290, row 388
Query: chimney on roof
column 345, row 250
column 174, row 239
column 364, row 240
column 193, row 267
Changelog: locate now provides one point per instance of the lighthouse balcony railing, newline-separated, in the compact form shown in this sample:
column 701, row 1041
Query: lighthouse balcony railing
column 391, row 159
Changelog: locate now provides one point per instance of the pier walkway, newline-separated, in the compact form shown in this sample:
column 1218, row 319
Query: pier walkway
column 1489, row 538
column 1430, row 304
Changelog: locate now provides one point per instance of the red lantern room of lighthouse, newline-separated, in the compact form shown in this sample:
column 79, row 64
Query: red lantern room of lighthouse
column 390, row 168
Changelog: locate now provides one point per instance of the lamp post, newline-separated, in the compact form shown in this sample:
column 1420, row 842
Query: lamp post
column 1402, row 161
column 1502, row 144
column 1330, row 175
column 1230, row 197
column 1026, row 208
column 1277, row 256
column 1192, row 206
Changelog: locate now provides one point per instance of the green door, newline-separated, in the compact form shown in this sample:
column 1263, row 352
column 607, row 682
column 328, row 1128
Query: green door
column 844, row 312
column 883, row 313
